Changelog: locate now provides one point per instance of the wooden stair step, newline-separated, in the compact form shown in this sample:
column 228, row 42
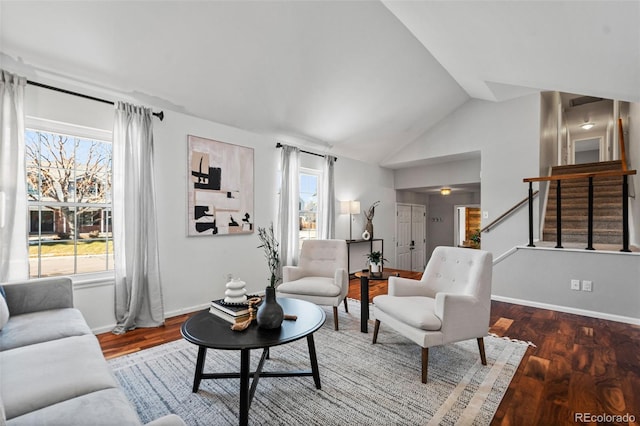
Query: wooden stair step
column 587, row 167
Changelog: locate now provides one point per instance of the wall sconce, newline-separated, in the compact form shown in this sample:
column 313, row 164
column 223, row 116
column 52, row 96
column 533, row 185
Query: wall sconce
column 350, row 208
column 445, row 191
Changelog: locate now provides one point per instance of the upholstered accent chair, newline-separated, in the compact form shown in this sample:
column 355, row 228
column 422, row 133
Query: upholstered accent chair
column 321, row 276
column 452, row 302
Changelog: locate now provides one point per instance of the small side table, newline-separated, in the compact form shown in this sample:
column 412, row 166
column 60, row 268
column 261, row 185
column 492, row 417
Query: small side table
column 365, row 277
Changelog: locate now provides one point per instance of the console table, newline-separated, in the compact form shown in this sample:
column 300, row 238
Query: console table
column 352, row 242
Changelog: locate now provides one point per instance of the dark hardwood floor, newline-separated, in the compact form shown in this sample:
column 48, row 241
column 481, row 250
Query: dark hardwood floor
column 580, row 366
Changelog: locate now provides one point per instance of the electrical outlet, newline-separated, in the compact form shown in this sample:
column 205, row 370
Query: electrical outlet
column 575, row 284
column 587, row 285
column 485, row 215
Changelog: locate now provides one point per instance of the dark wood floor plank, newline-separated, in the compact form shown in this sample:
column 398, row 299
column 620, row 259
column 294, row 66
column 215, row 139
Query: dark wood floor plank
column 579, row 364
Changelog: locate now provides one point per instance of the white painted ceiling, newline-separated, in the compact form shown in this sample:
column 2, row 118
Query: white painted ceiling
column 356, row 78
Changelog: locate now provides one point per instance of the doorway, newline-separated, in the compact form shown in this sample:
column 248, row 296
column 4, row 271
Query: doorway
column 467, row 226
column 411, row 237
column 588, row 150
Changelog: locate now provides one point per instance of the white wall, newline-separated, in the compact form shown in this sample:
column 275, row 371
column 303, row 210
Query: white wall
column 507, row 134
column 542, row 277
column 367, row 183
column 440, row 174
column 194, row 269
column 441, row 218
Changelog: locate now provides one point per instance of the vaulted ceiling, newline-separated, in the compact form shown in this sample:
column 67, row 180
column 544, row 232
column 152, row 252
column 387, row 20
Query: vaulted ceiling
column 357, row 78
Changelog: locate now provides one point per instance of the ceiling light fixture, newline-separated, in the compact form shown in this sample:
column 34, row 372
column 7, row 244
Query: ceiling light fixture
column 587, row 125
column 445, row 191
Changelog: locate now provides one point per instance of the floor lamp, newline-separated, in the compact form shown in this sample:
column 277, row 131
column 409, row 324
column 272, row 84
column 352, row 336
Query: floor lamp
column 351, row 208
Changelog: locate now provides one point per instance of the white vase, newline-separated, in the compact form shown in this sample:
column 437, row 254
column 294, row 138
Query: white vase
column 374, row 267
column 236, row 292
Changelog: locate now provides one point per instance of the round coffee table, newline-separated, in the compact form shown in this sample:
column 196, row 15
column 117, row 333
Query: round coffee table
column 208, row 331
column 365, row 277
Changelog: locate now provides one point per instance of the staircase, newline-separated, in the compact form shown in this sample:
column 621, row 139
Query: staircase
column 607, row 205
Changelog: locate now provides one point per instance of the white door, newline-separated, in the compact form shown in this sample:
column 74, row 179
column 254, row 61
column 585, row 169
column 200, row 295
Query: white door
column 418, row 237
column 411, row 240
column 403, row 237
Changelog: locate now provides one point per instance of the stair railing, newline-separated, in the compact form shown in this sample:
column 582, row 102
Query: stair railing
column 623, row 151
column 590, row 176
column 507, row 213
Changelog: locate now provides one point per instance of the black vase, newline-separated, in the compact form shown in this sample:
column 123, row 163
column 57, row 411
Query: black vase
column 270, row 314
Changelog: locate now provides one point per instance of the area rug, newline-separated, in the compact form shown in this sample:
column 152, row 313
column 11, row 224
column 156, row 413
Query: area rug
column 362, row 384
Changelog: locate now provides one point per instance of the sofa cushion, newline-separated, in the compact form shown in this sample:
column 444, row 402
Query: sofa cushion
column 4, row 312
column 417, row 311
column 37, row 327
column 101, row 408
column 40, row 375
column 311, row 286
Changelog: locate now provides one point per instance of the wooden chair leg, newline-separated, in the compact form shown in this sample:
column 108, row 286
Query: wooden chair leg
column 425, row 364
column 346, row 307
column 375, row 332
column 335, row 318
column 483, row 357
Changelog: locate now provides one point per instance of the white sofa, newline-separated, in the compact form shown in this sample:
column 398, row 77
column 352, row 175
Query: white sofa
column 52, row 371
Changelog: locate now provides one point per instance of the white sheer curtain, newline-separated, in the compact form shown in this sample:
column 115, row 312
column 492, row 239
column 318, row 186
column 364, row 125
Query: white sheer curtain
column 288, row 215
column 327, row 223
column 14, row 254
column 138, row 288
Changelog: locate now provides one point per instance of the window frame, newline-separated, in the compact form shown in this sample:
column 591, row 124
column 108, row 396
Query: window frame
column 79, row 132
column 318, row 175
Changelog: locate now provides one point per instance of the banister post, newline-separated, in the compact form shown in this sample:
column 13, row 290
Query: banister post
column 530, row 215
column 625, row 215
column 558, row 216
column 590, row 216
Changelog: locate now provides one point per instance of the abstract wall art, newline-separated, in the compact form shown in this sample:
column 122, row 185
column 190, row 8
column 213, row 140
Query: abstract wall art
column 220, row 192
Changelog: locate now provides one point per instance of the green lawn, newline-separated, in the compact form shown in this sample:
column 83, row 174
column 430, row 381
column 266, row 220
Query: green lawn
column 66, row 248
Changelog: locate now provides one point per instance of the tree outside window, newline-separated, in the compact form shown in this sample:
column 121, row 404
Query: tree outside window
column 69, row 198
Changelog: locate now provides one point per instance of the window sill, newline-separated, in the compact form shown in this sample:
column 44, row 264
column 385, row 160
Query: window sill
column 96, row 279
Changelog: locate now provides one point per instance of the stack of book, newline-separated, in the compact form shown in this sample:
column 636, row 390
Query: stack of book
column 229, row 312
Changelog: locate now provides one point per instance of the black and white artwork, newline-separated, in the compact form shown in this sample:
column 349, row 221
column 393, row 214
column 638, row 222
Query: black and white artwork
column 220, row 188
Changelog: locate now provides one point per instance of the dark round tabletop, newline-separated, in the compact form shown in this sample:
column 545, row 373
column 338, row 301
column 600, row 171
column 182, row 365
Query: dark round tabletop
column 384, row 275
column 205, row 329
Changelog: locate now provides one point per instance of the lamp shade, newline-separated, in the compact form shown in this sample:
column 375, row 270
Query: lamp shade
column 350, row 207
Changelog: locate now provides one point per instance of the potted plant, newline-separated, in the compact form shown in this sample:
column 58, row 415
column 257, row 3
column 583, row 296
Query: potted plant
column 475, row 239
column 270, row 313
column 375, row 261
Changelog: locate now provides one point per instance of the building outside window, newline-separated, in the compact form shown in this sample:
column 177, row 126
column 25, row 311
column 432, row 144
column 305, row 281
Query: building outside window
column 69, row 200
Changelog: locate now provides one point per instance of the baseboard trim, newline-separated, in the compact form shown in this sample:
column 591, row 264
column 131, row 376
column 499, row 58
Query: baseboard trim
column 188, row 310
column 170, row 314
column 568, row 310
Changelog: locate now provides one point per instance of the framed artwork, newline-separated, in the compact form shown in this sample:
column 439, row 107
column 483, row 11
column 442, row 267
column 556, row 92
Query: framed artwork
column 220, row 193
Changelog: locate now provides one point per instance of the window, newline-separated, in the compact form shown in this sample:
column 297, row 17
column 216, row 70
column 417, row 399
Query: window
column 308, row 203
column 69, row 200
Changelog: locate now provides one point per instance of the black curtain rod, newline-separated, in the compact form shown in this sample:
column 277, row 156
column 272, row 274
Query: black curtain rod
column 160, row 114
column 279, row 145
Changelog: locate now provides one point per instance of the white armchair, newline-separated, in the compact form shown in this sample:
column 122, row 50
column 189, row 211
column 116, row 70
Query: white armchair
column 452, row 301
column 321, row 276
